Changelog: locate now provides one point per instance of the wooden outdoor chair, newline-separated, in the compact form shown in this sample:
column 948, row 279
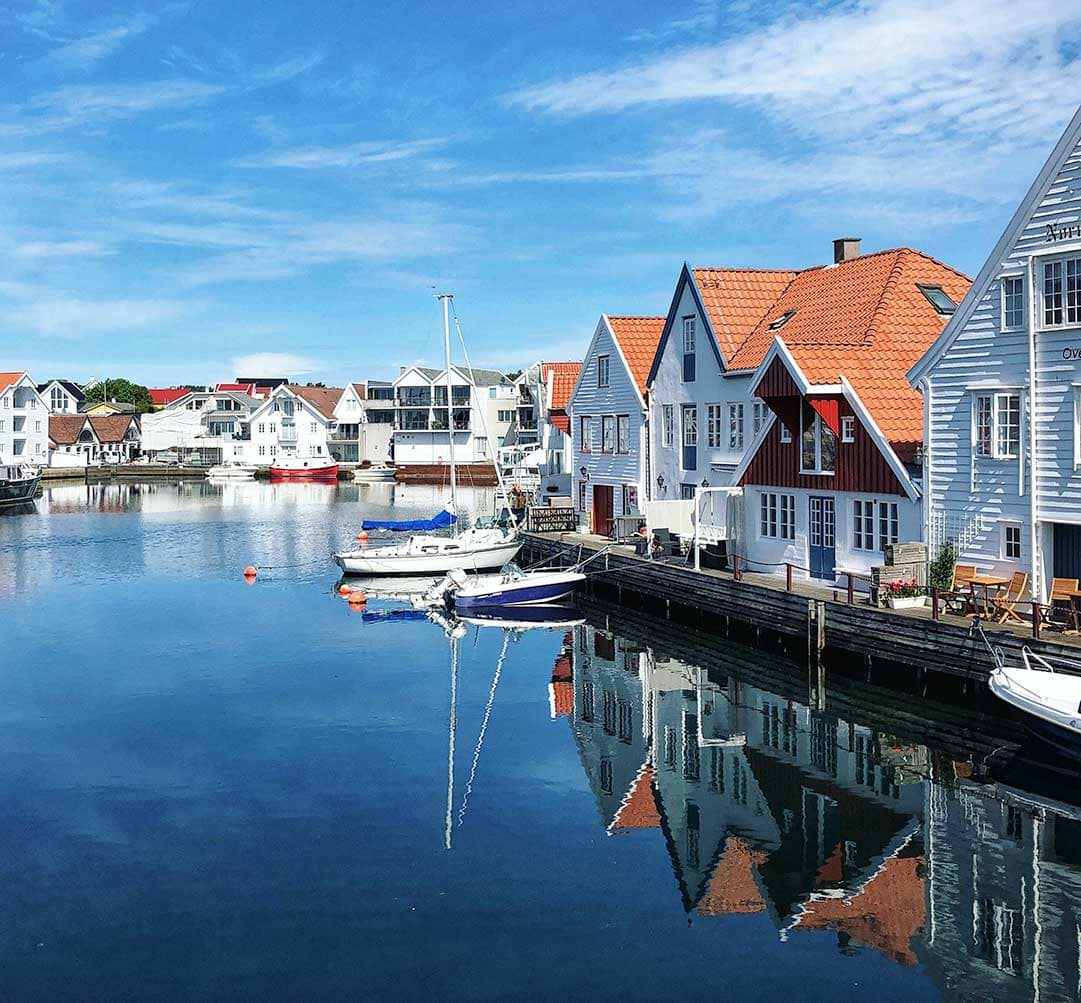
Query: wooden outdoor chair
column 1062, row 590
column 959, row 597
column 1004, row 605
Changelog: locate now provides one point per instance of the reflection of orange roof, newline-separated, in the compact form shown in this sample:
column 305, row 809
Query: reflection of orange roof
column 832, row 870
column 561, row 671
column 639, row 807
column 736, row 299
column 638, row 338
column 886, row 914
column 732, row 886
column 564, row 375
column 561, row 697
column 864, row 319
column 6, row 379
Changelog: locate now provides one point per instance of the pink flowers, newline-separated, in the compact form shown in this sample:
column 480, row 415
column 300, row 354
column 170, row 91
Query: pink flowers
column 902, row 589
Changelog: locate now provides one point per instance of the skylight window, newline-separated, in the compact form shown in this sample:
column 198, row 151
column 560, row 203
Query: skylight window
column 939, row 299
column 783, row 319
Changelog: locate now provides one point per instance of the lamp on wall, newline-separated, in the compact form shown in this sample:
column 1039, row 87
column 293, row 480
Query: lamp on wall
column 660, row 481
column 705, row 483
column 585, row 473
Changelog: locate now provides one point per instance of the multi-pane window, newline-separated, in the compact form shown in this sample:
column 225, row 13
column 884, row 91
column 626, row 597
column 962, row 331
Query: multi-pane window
column 606, row 775
column 669, row 747
column 608, row 433
column 623, row 433
column 1062, row 292
column 690, row 425
column 777, row 516
column 689, row 341
column 758, row 417
column 998, row 425
column 714, row 426
column 785, row 434
column 587, row 701
column 603, row 370
column 985, row 425
column 863, row 525
column 692, row 763
column 1013, row 301
column 668, row 425
column 1011, row 541
column 581, row 494
column 688, row 491
column 818, row 445
column 848, row 428
column 735, row 425
column 888, row 528
column 585, row 433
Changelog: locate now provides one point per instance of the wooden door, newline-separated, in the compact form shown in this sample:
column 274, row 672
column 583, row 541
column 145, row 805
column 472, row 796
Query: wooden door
column 603, row 509
column 822, row 538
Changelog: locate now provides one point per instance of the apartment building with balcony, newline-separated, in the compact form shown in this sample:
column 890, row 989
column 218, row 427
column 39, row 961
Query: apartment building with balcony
column 365, row 423
column 480, row 412
column 202, row 425
column 24, row 420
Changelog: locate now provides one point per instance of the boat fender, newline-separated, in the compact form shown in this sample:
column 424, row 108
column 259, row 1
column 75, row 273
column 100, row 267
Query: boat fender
column 363, row 536
column 344, row 590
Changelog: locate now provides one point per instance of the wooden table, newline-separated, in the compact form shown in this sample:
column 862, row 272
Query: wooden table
column 986, row 582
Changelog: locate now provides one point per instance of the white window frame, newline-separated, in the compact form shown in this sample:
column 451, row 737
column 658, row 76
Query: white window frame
column 606, row 369
column 848, row 428
column 585, row 433
column 758, row 417
column 689, row 429
column 1003, row 540
column 608, row 421
column 776, row 516
column 714, row 425
column 690, row 335
column 889, row 512
column 785, row 434
column 1019, row 278
column 623, row 433
column 998, row 403
column 863, row 525
column 668, row 425
column 820, row 427
column 735, row 425
column 1065, row 261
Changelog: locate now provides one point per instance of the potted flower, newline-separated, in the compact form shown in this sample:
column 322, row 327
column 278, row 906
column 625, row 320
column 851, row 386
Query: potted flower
column 903, row 594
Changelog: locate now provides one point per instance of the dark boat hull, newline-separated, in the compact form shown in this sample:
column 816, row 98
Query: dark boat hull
column 1064, row 741
column 18, row 492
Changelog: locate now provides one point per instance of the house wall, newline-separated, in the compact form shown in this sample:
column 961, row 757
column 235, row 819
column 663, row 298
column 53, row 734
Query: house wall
column 590, row 403
column 58, row 400
column 24, row 424
column 268, row 430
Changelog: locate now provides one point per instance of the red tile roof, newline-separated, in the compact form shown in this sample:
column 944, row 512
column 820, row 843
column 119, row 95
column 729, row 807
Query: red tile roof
column 6, row 379
column 638, row 338
column 564, row 376
column 736, row 299
column 732, row 886
column 64, row 429
column 166, row 395
column 323, row 399
column 639, row 807
column 110, row 427
column 864, row 319
column 562, row 422
column 244, row 388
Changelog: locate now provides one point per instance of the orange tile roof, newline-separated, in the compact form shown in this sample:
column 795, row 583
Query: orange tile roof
column 323, row 399
column 864, row 319
column 561, row 697
column 638, row 338
column 564, row 376
column 886, row 914
column 111, row 427
column 639, row 807
column 64, row 429
column 6, row 379
column 732, row 886
column 736, row 299
column 166, row 395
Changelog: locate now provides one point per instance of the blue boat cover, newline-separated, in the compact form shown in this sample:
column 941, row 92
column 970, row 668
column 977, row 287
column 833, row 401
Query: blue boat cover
column 385, row 615
column 441, row 521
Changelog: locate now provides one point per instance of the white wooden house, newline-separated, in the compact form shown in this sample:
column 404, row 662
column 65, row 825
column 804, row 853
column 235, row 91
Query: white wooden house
column 62, row 396
column 1002, row 393
column 24, row 420
column 365, row 423
column 292, row 421
column 609, row 420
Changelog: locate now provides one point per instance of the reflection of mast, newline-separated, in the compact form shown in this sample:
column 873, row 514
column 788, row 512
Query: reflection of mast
column 483, row 728
column 453, row 727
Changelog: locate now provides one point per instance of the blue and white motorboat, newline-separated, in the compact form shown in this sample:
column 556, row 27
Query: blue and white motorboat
column 510, row 587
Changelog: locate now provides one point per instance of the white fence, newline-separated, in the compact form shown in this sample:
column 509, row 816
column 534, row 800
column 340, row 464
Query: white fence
column 677, row 515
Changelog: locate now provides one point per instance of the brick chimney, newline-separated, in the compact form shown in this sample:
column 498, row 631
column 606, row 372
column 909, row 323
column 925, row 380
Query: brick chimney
column 845, row 249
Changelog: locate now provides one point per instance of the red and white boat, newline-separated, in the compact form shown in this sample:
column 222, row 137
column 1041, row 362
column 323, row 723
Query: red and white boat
column 304, row 468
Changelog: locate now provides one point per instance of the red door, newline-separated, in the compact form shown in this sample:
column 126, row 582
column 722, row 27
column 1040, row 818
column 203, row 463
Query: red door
column 603, row 508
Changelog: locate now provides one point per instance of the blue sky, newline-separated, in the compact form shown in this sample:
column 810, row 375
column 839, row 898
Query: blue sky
column 200, row 187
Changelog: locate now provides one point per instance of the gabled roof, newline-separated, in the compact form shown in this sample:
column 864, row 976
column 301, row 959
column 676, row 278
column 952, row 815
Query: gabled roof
column 244, row 388
column 110, row 427
column 637, row 338
column 864, row 321
column 736, row 299
column 64, row 429
column 166, row 395
column 7, row 379
column 638, row 809
column 118, row 407
column 1064, row 148
column 562, row 376
column 323, row 399
column 732, row 887
column 70, row 387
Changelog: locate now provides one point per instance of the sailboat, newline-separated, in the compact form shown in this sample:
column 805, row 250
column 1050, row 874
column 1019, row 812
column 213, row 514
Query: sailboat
column 474, row 549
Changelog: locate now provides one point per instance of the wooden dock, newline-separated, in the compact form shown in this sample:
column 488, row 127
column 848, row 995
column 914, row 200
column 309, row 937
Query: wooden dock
column 821, row 617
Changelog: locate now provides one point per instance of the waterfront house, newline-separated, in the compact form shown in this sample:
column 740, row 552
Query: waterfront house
column 24, row 420
column 365, row 422
column 118, row 437
column 62, row 396
column 106, row 407
column 482, row 411
column 833, row 474
column 210, row 427
column 72, row 440
column 1002, row 393
column 609, row 418
column 292, row 421
column 544, row 390
column 161, row 397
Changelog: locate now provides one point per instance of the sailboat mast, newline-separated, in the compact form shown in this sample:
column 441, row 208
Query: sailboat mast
column 446, row 298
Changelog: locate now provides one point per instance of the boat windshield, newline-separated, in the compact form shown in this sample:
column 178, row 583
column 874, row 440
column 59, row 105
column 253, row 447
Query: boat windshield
column 512, row 571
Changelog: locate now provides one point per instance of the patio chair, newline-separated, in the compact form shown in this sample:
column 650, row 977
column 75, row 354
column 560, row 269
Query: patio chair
column 1062, row 590
column 959, row 597
column 665, row 544
column 1004, row 605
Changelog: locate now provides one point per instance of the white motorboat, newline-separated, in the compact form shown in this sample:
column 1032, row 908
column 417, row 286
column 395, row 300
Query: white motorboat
column 1050, row 700
column 233, row 471
column 18, row 483
column 510, row 587
column 377, row 473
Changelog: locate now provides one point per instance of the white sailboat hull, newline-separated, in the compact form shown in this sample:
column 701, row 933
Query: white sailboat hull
column 433, row 555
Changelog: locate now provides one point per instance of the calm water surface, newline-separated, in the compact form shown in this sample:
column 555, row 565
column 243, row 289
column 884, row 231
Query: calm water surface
column 216, row 790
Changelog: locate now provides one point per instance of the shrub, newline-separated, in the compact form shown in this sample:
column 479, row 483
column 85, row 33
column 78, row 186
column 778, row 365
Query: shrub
column 941, row 571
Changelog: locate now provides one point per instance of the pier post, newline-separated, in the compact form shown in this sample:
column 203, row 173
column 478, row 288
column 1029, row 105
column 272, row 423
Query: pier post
column 788, row 576
column 1037, row 609
column 816, row 643
column 934, row 604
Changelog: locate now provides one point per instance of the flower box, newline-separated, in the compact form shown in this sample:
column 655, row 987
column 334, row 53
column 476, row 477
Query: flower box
column 907, row 602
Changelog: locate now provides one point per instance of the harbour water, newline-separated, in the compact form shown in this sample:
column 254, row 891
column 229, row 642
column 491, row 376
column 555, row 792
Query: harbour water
column 211, row 789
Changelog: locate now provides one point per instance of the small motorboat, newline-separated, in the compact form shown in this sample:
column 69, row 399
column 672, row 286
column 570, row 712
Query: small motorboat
column 550, row 616
column 304, row 468
column 18, row 483
column 233, row 471
column 377, row 473
column 1049, row 700
column 510, row 587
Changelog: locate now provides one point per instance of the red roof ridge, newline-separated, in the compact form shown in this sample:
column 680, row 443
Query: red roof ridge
column 630, row 316
column 743, row 268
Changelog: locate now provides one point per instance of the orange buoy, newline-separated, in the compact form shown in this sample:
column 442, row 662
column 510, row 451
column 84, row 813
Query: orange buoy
column 363, row 536
column 250, row 571
column 357, row 598
column 344, row 590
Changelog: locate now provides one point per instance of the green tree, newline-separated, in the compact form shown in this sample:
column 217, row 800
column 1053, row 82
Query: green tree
column 120, row 390
column 941, row 573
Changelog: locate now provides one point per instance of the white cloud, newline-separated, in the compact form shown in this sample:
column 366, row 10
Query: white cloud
column 70, row 317
column 348, row 155
column 18, row 161
column 274, row 364
column 290, row 68
column 84, row 51
column 38, row 249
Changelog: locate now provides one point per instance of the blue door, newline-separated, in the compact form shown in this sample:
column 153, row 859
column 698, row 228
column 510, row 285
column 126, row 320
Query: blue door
column 822, row 538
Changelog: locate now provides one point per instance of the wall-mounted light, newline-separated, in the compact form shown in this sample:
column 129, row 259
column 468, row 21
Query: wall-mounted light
column 585, row 473
column 705, row 483
column 660, row 481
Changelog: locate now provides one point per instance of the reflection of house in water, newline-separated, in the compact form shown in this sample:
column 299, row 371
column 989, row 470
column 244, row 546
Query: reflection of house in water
column 1004, row 892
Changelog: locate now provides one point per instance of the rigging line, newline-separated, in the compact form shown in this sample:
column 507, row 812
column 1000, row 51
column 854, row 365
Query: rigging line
column 483, row 729
column 453, row 726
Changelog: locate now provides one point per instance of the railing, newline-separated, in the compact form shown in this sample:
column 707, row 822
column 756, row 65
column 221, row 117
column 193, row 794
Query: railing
column 551, row 519
column 288, row 433
column 413, row 425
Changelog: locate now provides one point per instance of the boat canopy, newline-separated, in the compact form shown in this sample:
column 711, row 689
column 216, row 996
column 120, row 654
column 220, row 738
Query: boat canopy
column 441, row 521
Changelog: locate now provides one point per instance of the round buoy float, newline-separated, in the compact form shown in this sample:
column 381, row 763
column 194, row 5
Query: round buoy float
column 250, row 572
column 344, row 590
column 357, row 598
column 363, row 536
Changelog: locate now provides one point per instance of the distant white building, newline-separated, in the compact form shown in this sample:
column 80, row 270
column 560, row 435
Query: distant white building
column 481, row 412
column 211, row 426
column 61, row 396
column 365, row 423
column 24, row 420
column 540, row 437
column 293, row 421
